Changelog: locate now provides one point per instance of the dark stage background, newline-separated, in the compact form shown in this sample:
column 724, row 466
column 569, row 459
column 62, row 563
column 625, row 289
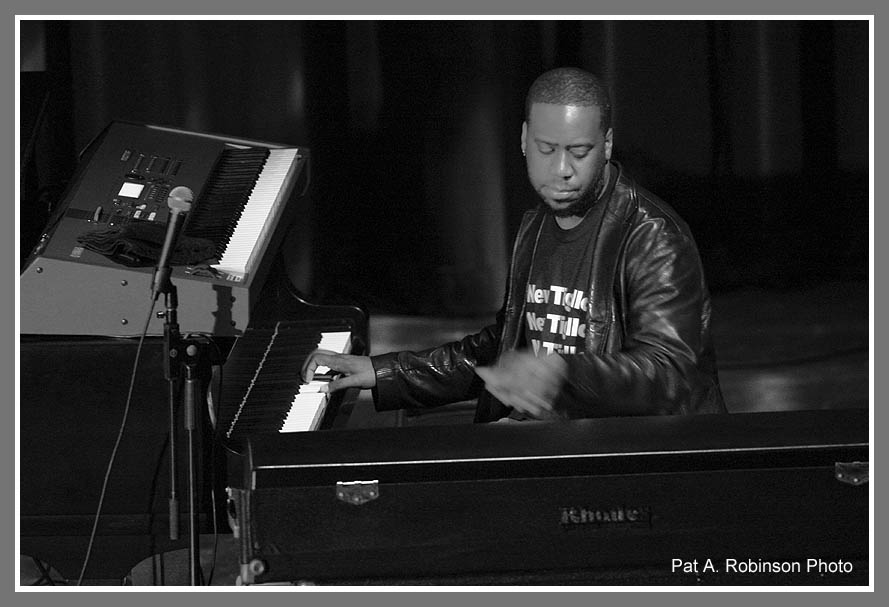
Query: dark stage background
column 755, row 131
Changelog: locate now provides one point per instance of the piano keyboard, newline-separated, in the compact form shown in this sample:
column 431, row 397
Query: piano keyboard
column 255, row 221
column 240, row 205
column 262, row 390
column 310, row 402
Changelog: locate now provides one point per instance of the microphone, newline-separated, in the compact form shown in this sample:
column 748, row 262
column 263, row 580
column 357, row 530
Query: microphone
column 179, row 202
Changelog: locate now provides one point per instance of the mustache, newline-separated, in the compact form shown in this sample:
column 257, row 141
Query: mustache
column 583, row 204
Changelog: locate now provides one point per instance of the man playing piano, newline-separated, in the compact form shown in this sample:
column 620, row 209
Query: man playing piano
column 606, row 311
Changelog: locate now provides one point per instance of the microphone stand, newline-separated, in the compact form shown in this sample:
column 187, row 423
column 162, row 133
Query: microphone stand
column 175, row 359
column 191, row 398
column 172, row 374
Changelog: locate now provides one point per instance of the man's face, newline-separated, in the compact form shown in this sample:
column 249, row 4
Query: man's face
column 566, row 152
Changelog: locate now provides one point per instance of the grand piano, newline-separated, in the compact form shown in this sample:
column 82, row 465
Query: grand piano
column 307, row 499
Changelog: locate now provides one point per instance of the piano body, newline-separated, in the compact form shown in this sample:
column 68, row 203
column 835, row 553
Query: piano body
column 81, row 314
column 614, row 501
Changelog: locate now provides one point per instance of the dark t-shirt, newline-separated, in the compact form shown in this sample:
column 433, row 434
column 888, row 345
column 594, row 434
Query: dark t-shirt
column 556, row 297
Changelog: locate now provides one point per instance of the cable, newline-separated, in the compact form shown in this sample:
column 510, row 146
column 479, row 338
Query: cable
column 123, row 424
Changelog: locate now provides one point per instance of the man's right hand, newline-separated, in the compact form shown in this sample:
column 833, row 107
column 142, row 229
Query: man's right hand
column 356, row 371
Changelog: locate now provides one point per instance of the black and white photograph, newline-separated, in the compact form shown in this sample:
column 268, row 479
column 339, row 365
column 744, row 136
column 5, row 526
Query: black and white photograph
column 444, row 302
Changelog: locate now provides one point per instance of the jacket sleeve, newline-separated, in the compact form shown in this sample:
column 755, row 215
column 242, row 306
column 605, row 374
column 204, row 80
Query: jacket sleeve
column 665, row 319
column 437, row 376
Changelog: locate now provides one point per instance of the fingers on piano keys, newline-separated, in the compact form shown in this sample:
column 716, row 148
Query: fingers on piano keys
column 310, row 403
column 335, row 341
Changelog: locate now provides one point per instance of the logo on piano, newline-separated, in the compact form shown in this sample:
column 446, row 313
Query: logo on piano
column 613, row 517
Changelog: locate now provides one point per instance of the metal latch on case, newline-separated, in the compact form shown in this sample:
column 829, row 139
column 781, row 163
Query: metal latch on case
column 357, row 492
column 853, row 473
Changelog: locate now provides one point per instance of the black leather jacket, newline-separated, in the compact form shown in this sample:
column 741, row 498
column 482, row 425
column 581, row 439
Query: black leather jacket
column 648, row 349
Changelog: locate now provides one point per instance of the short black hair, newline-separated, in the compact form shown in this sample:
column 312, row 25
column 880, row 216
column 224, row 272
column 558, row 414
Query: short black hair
column 570, row 86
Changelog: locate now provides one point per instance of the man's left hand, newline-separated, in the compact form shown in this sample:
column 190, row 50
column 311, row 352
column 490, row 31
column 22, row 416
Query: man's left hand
column 526, row 383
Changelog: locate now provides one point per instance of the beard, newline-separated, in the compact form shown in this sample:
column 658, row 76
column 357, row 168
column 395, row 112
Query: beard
column 582, row 205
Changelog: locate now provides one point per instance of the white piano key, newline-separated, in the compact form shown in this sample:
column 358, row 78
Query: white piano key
column 305, row 412
column 312, row 387
column 336, row 341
